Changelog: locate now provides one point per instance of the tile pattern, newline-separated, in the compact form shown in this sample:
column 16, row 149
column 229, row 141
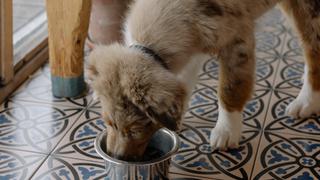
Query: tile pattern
column 65, row 168
column 291, row 67
column 42, row 137
column 288, row 157
column 16, row 164
column 79, row 140
column 33, row 126
column 197, row 159
column 277, row 120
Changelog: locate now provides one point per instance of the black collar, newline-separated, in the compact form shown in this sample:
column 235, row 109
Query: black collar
column 151, row 53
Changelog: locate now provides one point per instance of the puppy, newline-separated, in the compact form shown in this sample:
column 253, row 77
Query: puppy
column 145, row 83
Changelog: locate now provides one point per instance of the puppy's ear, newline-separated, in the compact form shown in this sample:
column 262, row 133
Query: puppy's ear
column 166, row 119
column 167, row 107
column 162, row 103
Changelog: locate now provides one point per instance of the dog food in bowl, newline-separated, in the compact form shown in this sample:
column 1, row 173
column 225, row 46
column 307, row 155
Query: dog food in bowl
column 152, row 153
column 164, row 143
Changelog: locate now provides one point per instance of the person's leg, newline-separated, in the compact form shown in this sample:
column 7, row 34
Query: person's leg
column 106, row 21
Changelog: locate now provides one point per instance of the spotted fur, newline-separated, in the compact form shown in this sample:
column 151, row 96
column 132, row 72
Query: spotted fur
column 139, row 96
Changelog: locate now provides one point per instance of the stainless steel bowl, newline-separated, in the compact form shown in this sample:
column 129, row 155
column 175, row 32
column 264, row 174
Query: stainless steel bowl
column 163, row 140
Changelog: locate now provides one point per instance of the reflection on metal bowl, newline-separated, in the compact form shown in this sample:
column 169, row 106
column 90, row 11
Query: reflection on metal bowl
column 162, row 146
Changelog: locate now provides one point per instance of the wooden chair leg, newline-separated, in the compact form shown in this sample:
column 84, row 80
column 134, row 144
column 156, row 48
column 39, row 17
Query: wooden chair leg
column 68, row 22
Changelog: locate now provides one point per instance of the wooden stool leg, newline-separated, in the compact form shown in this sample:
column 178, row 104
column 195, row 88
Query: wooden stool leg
column 68, row 22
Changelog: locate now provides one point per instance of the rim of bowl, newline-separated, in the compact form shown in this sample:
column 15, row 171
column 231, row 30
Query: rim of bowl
column 106, row 157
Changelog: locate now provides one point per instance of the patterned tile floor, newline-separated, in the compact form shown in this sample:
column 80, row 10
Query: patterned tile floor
column 42, row 137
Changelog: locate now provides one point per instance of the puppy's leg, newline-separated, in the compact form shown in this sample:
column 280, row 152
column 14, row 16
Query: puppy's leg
column 189, row 75
column 306, row 16
column 236, row 79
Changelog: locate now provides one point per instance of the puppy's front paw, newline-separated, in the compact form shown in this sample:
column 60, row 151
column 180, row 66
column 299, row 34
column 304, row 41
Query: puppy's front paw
column 227, row 133
column 303, row 107
column 306, row 104
column 223, row 139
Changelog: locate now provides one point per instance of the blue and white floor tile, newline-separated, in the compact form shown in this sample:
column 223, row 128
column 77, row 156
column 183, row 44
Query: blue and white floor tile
column 66, row 168
column 283, row 156
column 278, row 122
column 79, row 141
column 196, row 159
column 33, row 126
column 291, row 67
column 15, row 164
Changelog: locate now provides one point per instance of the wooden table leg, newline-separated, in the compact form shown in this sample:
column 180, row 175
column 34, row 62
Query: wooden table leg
column 68, row 22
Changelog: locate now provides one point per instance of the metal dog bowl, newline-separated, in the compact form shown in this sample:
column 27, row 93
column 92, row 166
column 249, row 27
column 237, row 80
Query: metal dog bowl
column 164, row 141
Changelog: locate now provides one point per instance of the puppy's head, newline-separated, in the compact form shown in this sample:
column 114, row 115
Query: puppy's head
column 138, row 97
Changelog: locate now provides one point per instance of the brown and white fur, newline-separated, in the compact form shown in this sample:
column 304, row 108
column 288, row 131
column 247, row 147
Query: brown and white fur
column 139, row 96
